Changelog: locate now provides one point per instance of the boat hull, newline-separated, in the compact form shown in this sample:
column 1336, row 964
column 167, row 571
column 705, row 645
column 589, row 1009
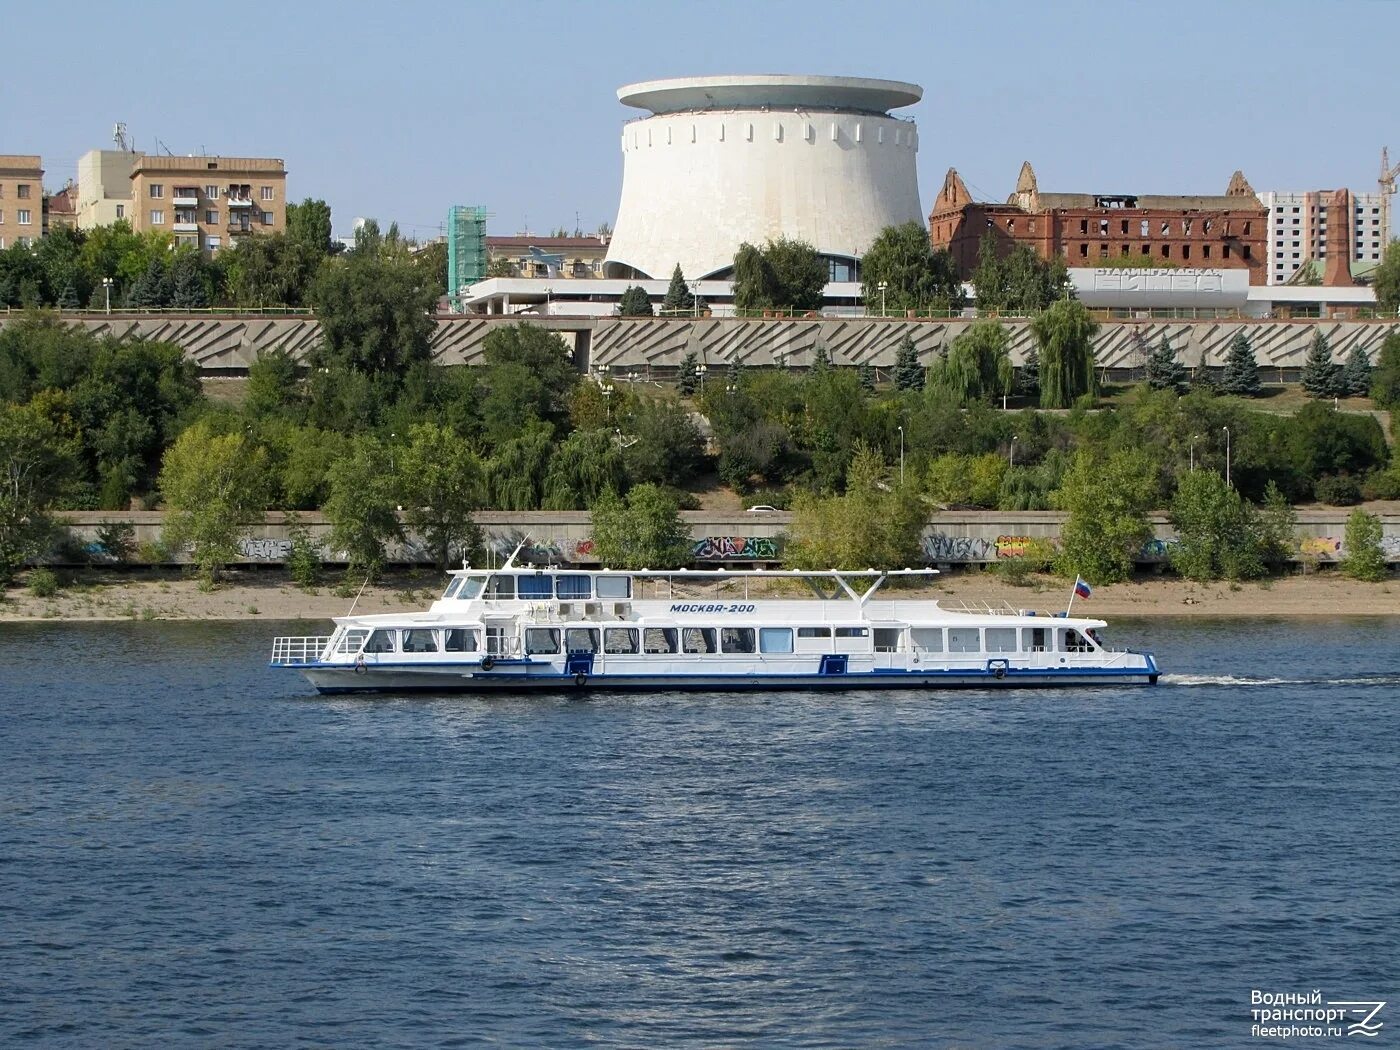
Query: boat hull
column 397, row 680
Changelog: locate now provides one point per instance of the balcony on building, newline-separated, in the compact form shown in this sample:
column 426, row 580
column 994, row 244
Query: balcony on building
column 185, row 221
column 186, row 197
column 239, row 224
column 240, row 195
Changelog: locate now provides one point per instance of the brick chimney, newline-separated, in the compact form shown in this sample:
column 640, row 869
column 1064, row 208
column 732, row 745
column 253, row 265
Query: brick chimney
column 1337, row 273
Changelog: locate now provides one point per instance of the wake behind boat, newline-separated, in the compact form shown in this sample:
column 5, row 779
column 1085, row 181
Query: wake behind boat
column 541, row 627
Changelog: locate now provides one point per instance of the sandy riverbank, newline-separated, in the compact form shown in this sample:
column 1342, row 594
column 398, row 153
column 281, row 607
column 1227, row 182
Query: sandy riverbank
column 270, row 596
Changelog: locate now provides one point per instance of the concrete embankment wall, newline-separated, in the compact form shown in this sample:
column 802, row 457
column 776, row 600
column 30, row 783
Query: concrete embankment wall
column 229, row 344
column 951, row 537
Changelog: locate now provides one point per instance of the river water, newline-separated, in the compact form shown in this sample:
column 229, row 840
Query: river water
column 197, row 850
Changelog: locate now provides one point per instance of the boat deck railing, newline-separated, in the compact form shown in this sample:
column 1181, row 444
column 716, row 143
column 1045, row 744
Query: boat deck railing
column 977, row 608
column 296, row 651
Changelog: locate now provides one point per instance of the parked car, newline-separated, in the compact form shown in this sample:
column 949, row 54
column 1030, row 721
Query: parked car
column 762, row 508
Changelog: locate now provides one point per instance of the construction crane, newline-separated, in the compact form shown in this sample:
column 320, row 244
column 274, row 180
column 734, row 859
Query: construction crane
column 1387, row 187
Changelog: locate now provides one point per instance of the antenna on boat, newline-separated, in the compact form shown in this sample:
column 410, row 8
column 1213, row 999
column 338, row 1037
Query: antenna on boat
column 357, row 595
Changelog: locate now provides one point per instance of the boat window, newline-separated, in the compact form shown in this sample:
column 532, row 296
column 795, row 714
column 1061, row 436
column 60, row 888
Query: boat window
column 927, row 639
column 964, row 640
column 852, row 632
column 380, row 641
column 1035, row 639
column 459, row 640
column 501, row 588
column 659, row 640
column 887, row 639
column 471, row 588
column 537, row 586
column 736, row 639
column 573, row 586
column 452, row 587
column 613, row 586
column 541, row 640
column 814, row 632
column 698, row 639
column 775, row 639
column 1074, row 642
column 619, row 639
column 1001, row 639
column 351, row 640
column 420, row 640
column 581, row 639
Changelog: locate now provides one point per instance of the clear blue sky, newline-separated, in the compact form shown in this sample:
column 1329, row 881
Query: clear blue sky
column 399, row 109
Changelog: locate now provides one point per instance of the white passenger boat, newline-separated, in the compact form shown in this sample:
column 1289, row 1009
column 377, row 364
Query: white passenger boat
column 528, row 627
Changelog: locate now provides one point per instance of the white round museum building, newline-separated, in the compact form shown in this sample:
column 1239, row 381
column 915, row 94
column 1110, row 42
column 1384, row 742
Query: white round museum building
column 728, row 159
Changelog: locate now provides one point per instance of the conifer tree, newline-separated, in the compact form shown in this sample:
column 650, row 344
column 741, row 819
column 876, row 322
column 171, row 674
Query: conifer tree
column 687, row 381
column 679, row 299
column 1028, row 377
column 1356, row 375
column 1321, row 377
column 151, row 288
column 1201, row 379
column 68, row 298
column 1164, row 371
column 908, row 373
column 866, row 374
column 820, row 360
column 634, row 302
column 187, row 288
column 1241, row 376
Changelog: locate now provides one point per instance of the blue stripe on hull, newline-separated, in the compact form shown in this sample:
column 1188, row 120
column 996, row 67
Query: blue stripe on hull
column 883, row 679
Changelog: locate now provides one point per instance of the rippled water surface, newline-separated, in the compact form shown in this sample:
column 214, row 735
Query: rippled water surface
column 198, row 850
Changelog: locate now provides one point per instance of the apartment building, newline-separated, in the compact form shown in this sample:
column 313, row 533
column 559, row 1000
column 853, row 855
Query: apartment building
column 21, row 199
column 104, row 187
column 1298, row 225
column 208, row 202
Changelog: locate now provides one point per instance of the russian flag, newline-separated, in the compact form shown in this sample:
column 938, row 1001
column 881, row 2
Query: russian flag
column 1081, row 588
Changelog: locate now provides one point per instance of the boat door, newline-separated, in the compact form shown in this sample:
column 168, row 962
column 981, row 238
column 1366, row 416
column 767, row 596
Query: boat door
column 500, row 637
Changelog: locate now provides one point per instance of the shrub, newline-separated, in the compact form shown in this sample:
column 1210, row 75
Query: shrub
column 1364, row 559
column 304, row 559
column 43, row 583
column 1338, row 490
column 118, row 540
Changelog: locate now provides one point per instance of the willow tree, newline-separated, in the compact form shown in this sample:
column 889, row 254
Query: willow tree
column 1065, row 334
column 978, row 365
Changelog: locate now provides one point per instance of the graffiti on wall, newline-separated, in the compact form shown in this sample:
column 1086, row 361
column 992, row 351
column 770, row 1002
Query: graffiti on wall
column 734, row 548
column 1156, row 550
column 940, row 547
column 263, row 548
column 1328, row 547
column 537, row 550
column 1013, row 546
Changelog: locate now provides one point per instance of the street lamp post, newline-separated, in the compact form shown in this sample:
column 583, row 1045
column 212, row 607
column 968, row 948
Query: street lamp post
column 107, row 289
column 608, row 389
column 700, row 371
column 547, row 295
column 882, row 286
column 1191, row 450
column 1227, row 454
column 1013, row 450
column 901, row 455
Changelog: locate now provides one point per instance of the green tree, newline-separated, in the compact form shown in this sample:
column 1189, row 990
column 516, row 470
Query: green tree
column 189, row 288
column 1385, row 377
column 908, row 372
column 1217, row 531
column 1028, row 375
column 273, row 385
column 989, row 280
column 151, row 290
column 529, row 374
column 1356, row 374
column 1364, row 559
column 1278, row 527
column 361, row 506
column 1241, row 375
column 634, row 302
column 1164, row 371
column 214, row 485
column 1108, row 499
column 515, row 473
column 309, row 225
column 587, row 464
column 915, row 275
column 1064, row 333
column 374, row 314
column 68, row 298
column 679, row 299
column 978, row 365
column 36, row 464
column 783, row 274
column 1387, row 279
column 687, row 379
column 644, row 531
column 661, row 444
column 1033, row 283
column 440, row 483
column 866, row 374
column 1321, row 377
column 875, row 524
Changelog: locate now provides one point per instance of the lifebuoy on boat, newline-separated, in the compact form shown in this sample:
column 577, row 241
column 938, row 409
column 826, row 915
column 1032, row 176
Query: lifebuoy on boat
column 1000, row 672
column 580, row 679
column 488, row 662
